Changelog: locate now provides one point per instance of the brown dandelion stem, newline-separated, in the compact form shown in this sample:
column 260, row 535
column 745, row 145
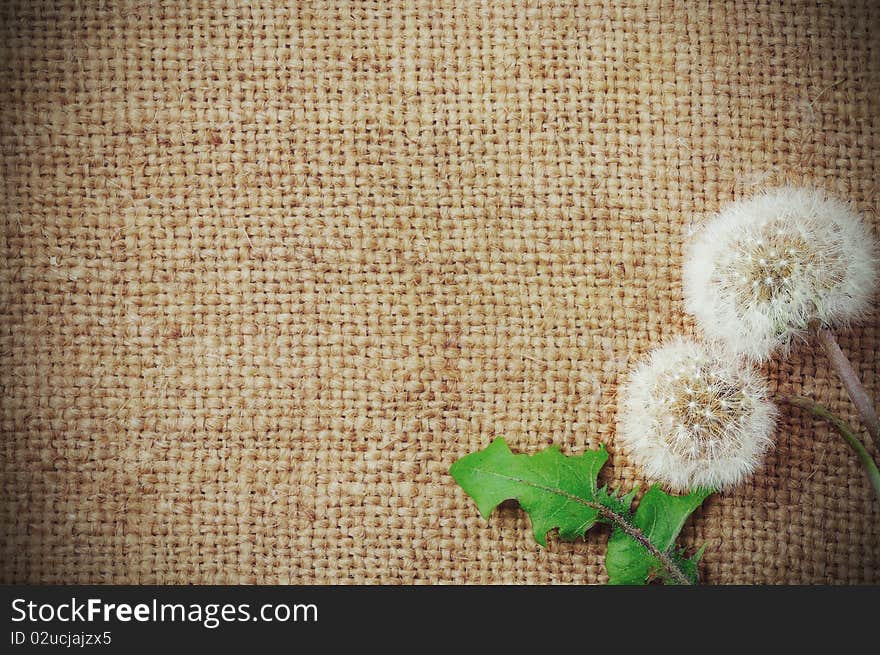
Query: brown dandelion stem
column 851, row 383
column 845, row 431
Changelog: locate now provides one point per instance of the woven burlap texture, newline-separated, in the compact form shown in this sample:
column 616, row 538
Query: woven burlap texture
column 269, row 269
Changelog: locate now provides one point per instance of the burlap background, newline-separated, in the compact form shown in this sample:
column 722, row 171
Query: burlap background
column 269, row 270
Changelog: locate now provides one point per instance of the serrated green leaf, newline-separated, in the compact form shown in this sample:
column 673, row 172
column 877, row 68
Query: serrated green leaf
column 616, row 501
column 562, row 492
column 556, row 491
column 660, row 517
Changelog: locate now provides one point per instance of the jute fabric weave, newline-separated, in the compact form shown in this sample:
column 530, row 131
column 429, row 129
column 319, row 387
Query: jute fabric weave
column 269, row 269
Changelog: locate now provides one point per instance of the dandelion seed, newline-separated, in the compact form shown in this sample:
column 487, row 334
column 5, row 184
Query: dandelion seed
column 760, row 302
column 663, row 426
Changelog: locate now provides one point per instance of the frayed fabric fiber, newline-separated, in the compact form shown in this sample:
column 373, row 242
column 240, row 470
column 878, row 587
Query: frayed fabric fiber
column 269, row 269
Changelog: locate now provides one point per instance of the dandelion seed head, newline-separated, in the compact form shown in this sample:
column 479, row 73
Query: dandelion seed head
column 709, row 428
column 765, row 268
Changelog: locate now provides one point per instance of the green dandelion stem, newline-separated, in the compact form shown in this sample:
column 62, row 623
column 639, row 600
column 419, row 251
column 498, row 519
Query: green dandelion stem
column 845, row 431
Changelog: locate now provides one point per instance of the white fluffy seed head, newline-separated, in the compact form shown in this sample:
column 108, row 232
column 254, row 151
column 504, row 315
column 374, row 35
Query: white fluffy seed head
column 762, row 270
column 691, row 417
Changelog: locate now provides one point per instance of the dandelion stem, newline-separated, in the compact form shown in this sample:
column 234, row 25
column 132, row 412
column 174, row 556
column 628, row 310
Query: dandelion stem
column 845, row 431
column 851, row 382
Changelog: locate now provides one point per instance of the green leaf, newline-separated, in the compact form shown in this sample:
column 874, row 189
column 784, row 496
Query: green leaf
column 563, row 492
column 660, row 517
column 556, row 491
